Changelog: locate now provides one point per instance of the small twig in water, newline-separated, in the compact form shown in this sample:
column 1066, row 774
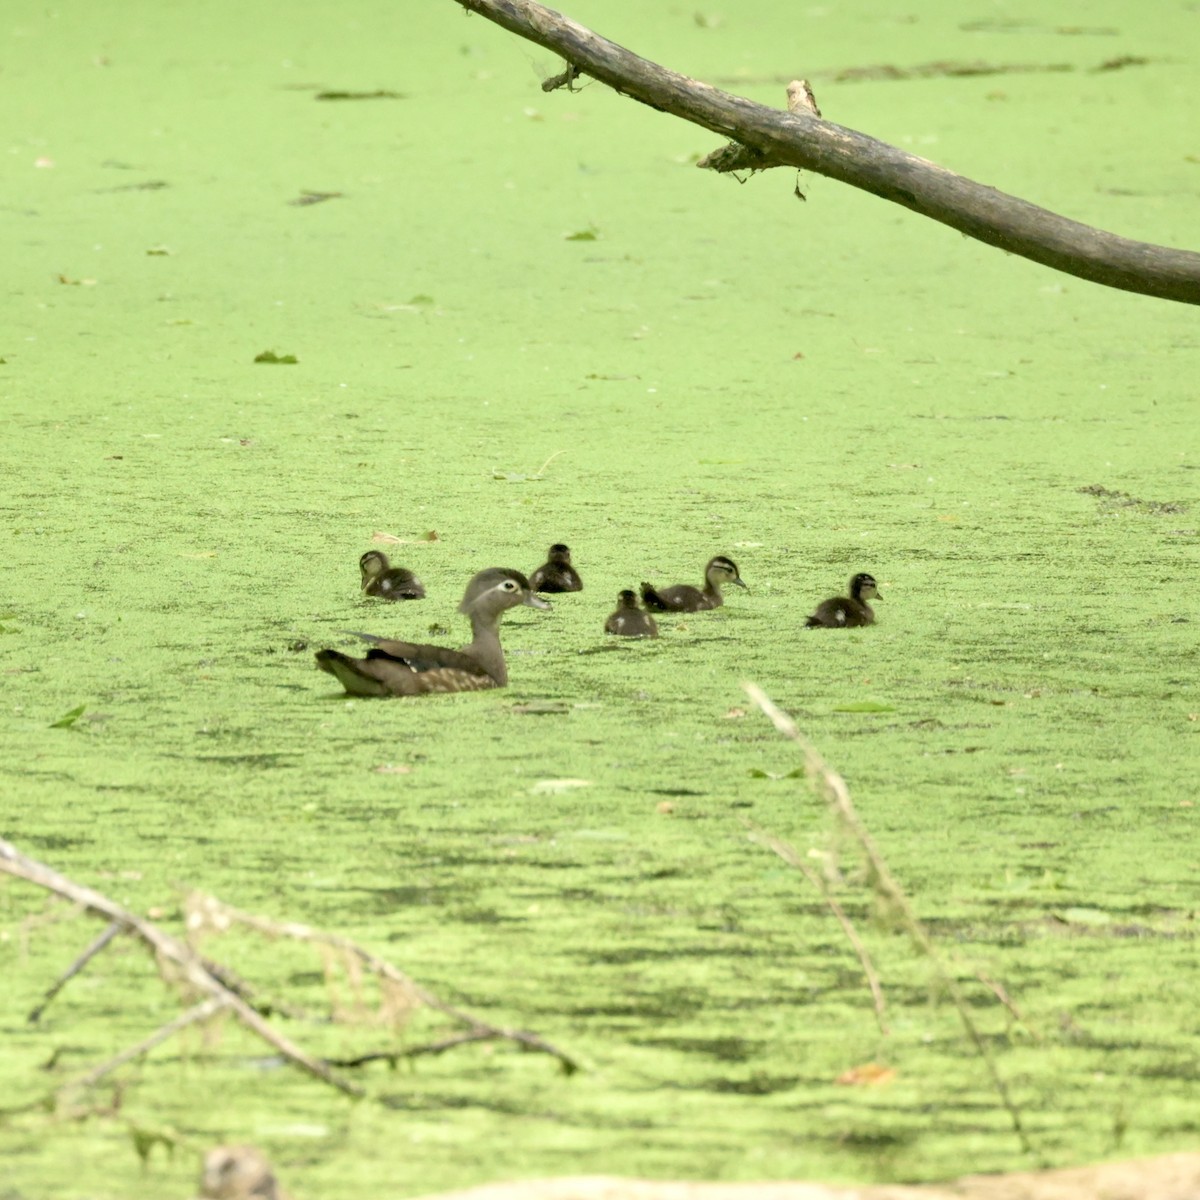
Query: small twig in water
column 73, row 970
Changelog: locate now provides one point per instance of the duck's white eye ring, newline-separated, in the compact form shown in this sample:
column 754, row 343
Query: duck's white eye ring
column 509, row 585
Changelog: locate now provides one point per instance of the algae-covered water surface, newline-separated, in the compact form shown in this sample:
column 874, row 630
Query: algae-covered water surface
column 521, row 318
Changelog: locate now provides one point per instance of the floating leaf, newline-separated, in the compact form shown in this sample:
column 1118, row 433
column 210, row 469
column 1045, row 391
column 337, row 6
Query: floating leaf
column 590, row 234
column 307, row 198
column 1085, row 916
column 269, row 356
column 554, row 787
column 759, row 773
column 378, row 94
column 865, row 706
column 870, row 1074
column 69, row 718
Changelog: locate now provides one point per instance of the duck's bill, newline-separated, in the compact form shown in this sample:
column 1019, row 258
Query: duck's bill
column 535, row 601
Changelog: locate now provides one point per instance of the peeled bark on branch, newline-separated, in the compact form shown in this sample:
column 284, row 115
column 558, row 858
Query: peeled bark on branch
column 801, row 139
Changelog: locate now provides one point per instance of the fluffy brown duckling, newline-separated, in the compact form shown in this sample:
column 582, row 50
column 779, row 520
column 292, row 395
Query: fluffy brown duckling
column 556, row 574
column 238, row 1173
column 380, row 578
column 845, row 612
column 685, row 598
column 628, row 620
column 394, row 668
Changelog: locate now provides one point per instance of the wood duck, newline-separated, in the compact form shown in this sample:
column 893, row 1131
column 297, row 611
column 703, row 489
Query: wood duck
column 404, row 669
column 685, row 598
column 556, row 574
column 845, row 612
column 629, row 620
column 380, row 578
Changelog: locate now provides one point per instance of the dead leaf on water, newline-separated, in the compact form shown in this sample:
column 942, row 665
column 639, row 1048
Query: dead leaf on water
column 871, row 1074
column 555, row 787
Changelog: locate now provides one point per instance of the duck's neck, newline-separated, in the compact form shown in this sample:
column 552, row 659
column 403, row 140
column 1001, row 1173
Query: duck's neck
column 485, row 646
column 712, row 592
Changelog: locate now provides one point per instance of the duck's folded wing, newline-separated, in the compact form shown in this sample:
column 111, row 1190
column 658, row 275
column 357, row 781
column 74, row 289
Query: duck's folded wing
column 424, row 658
column 383, row 674
column 361, row 677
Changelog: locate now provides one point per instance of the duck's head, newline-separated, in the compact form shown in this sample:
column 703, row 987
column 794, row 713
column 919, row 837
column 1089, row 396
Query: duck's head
column 627, row 599
column 373, row 564
column 498, row 589
column 559, row 553
column 863, row 587
column 722, row 570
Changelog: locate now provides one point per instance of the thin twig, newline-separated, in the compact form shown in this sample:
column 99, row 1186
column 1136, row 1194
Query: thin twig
column 82, row 961
column 428, row 1048
column 168, row 950
column 479, row 1030
column 199, row 1012
column 829, row 784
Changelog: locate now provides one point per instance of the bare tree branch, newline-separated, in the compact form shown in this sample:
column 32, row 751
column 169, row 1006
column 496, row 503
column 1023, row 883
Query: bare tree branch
column 169, row 951
column 767, row 137
column 179, row 961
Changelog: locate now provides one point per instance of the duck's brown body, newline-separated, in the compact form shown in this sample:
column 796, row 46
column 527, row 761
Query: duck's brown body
column 848, row 612
column 380, row 578
column 395, row 668
column 556, row 574
column 628, row 620
column 682, row 597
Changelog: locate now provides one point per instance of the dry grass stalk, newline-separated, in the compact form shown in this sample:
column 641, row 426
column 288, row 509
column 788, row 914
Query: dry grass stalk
column 831, row 787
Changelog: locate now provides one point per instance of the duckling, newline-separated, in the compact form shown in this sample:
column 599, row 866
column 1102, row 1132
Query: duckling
column 843, row 612
column 556, row 574
column 238, row 1173
column 380, row 578
column 404, row 669
column 629, row 620
column 685, row 598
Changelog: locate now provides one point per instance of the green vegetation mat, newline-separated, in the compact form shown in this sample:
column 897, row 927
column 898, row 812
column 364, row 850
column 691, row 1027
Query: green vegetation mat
column 813, row 389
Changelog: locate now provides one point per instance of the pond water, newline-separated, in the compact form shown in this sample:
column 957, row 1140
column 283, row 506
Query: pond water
column 521, row 318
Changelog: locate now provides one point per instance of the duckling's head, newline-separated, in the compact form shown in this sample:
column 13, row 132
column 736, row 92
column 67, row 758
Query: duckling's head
column 373, row 564
column 497, row 589
column 558, row 553
column 863, row 587
column 627, row 599
column 722, row 570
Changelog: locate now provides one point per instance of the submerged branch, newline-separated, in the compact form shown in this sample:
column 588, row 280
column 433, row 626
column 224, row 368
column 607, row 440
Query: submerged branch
column 767, row 137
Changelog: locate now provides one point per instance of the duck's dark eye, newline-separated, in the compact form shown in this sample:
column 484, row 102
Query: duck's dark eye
column 509, row 585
